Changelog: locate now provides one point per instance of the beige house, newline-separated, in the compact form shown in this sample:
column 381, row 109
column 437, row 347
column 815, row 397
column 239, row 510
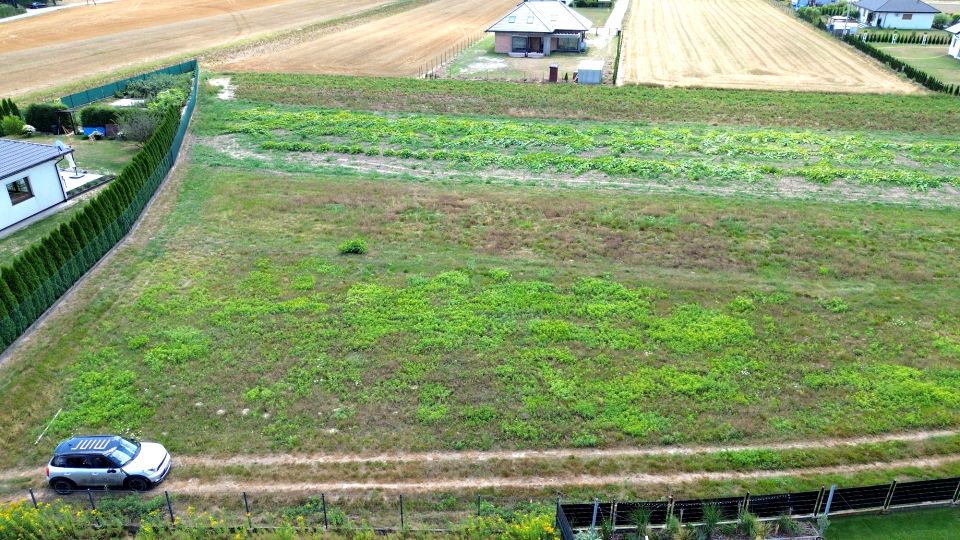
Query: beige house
column 539, row 27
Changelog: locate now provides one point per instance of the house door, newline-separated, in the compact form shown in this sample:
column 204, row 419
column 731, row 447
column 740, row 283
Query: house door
column 535, row 44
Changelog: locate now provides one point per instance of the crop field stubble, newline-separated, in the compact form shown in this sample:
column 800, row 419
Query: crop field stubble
column 398, row 45
column 747, row 44
column 44, row 51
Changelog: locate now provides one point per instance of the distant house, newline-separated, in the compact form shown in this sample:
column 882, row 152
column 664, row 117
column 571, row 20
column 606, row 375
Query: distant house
column 900, row 14
column 954, row 49
column 31, row 180
column 540, row 27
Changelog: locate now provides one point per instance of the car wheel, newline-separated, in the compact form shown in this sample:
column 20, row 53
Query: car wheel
column 62, row 486
column 138, row 483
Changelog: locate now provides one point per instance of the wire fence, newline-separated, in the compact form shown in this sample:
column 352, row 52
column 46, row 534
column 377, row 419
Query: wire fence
column 376, row 511
column 799, row 505
column 432, row 68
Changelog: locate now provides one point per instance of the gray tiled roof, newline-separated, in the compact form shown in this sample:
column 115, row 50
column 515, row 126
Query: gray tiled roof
column 541, row 17
column 896, row 6
column 18, row 156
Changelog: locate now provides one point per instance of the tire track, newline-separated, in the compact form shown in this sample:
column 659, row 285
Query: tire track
column 196, row 487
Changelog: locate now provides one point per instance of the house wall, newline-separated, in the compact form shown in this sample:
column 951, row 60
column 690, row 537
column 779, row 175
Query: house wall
column 954, row 50
column 919, row 21
column 501, row 42
column 47, row 192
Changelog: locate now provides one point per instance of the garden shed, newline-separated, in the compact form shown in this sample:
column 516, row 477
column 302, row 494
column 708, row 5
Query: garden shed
column 954, row 49
column 31, row 180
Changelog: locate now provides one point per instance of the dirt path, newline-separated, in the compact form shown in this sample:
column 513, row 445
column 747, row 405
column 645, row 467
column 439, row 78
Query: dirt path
column 742, row 44
column 196, row 487
column 481, row 456
column 398, row 45
column 44, row 52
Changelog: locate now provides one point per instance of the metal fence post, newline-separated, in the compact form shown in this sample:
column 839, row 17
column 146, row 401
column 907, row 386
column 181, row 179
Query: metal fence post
column 478, row 504
column 169, row 506
column 613, row 516
column 593, row 522
column 246, row 509
column 323, row 501
column 669, row 508
column 889, row 498
column 956, row 494
column 401, row 513
column 33, row 498
column 93, row 505
column 818, row 502
column 826, row 511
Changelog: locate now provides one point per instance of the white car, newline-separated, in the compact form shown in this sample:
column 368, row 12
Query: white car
column 105, row 461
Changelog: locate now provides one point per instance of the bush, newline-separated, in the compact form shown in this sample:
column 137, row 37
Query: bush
column 355, row 246
column 28, row 130
column 11, row 125
column 8, row 108
column 943, row 20
column 136, row 125
column 98, row 115
column 166, row 99
column 9, row 11
column 149, row 88
column 43, row 116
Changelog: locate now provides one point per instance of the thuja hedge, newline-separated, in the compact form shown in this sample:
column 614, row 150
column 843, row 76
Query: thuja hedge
column 41, row 274
column 910, row 38
column 895, row 63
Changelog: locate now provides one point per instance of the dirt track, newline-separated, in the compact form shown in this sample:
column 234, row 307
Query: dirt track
column 45, row 51
column 742, row 44
column 392, row 46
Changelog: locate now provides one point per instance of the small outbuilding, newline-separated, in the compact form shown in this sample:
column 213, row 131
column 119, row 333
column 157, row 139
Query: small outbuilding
column 954, row 49
column 31, row 180
column 898, row 14
column 537, row 28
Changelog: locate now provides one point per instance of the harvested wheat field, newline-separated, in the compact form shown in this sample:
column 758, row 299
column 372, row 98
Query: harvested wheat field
column 392, row 46
column 45, row 51
column 742, row 44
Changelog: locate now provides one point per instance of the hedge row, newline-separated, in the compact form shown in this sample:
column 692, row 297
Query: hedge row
column 895, row 63
column 8, row 108
column 906, row 39
column 41, row 274
column 98, row 115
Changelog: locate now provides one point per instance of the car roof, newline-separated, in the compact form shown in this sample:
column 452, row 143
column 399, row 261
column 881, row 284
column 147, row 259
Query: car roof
column 88, row 444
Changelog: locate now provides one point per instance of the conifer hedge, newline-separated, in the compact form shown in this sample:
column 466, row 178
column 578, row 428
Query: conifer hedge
column 41, row 274
column 895, row 63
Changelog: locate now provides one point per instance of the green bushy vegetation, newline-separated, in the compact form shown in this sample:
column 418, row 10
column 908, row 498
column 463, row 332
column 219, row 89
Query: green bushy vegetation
column 929, row 114
column 693, row 154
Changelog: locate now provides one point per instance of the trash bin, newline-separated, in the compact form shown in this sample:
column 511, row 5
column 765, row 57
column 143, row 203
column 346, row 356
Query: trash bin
column 554, row 72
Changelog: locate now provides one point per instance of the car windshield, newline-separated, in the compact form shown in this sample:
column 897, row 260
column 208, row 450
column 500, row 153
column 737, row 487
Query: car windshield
column 125, row 452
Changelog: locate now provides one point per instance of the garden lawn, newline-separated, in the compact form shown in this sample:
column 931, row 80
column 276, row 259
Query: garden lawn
column 102, row 157
column 932, row 59
column 939, row 524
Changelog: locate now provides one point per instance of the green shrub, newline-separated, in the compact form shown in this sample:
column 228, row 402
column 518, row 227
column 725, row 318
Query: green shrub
column 44, row 116
column 151, row 86
column 168, row 98
column 354, row 246
column 136, row 125
column 9, row 11
column 835, row 304
column 98, row 115
column 11, row 125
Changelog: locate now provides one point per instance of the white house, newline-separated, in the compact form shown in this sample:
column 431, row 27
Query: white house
column 29, row 174
column 901, row 14
column 538, row 27
column 954, row 49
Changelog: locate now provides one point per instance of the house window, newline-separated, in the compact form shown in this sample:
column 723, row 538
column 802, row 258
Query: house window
column 519, row 44
column 908, row 16
column 512, row 19
column 529, row 20
column 19, row 190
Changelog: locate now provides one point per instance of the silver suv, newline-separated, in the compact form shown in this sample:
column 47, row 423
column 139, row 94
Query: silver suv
column 107, row 461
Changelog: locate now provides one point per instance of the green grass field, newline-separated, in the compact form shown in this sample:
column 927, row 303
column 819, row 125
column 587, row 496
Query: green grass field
column 939, row 524
column 932, row 59
column 594, row 317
